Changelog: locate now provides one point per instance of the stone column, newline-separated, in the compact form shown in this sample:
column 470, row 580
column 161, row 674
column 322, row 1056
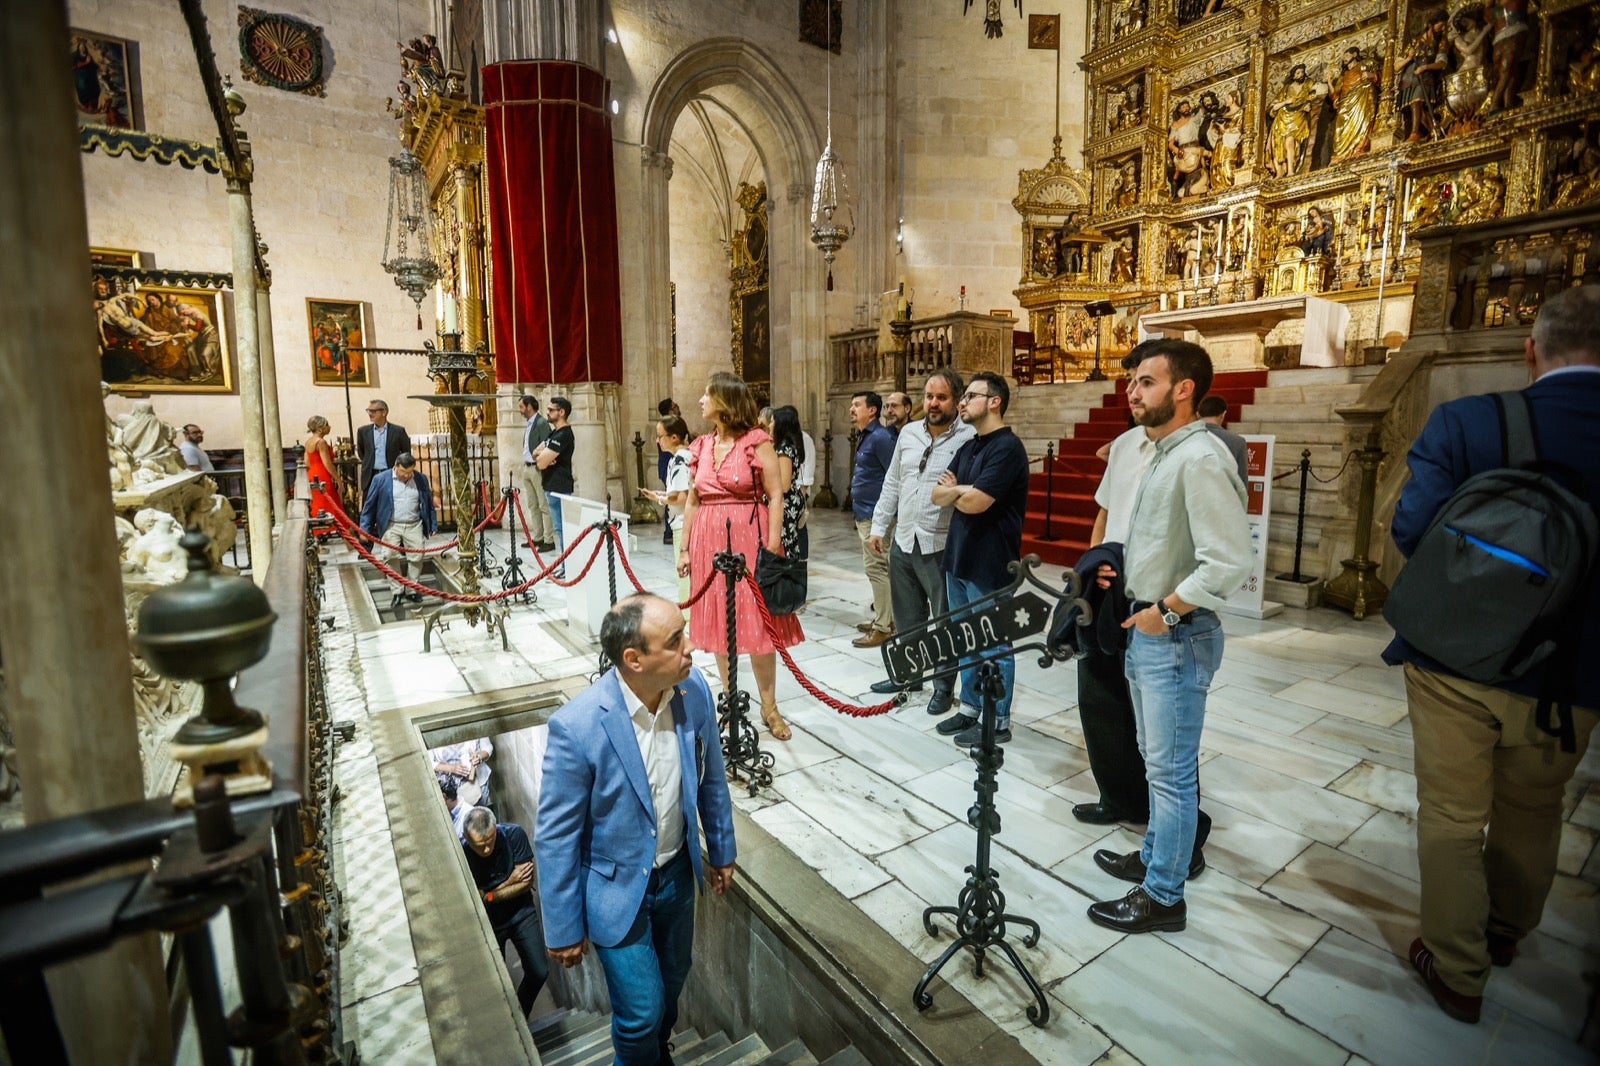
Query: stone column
column 595, row 465
column 469, row 282
column 269, row 402
column 70, row 690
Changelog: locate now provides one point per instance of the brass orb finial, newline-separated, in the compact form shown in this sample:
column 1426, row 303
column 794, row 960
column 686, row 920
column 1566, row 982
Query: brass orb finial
column 231, row 98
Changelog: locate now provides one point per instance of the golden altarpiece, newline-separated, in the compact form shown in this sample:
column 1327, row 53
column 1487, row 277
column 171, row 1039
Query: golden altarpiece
column 747, row 293
column 1242, row 155
column 445, row 131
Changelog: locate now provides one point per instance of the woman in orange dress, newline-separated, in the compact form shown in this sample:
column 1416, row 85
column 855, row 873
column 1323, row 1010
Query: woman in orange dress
column 319, row 466
column 734, row 472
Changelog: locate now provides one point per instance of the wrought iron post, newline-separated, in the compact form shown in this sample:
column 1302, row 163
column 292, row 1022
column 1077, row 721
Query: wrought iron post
column 642, row 511
column 611, row 552
column 1357, row 588
column 1300, row 519
column 825, row 496
column 1049, row 488
column 741, row 744
column 512, row 577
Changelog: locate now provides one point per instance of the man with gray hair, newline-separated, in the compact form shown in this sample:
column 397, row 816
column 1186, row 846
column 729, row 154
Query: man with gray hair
column 1482, row 755
column 632, row 773
column 501, row 862
column 379, row 444
column 922, row 452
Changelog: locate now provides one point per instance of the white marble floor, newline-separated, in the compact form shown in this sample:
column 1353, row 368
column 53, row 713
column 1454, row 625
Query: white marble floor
column 1294, row 950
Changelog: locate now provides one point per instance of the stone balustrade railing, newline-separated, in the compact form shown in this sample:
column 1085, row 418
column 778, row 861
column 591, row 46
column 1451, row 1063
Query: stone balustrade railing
column 965, row 340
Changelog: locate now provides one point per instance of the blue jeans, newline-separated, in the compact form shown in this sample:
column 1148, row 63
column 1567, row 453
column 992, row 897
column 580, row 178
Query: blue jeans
column 555, row 521
column 646, row 971
column 960, row 592
column 1168, row 677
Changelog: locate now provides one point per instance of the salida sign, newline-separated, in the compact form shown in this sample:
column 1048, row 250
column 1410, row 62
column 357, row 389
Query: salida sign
column 944, row 642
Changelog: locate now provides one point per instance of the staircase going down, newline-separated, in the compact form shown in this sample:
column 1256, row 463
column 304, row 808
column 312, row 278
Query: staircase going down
column 581, row 1038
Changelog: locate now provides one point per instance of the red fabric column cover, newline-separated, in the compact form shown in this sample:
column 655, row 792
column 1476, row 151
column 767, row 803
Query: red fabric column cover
column 552, row 223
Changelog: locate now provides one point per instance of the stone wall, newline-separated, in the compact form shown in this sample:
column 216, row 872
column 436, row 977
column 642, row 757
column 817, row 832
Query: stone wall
column 320, row 194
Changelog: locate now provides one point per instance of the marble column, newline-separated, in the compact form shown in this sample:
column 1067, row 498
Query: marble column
column 257, row 482
column 65, row 640
column 270, row 417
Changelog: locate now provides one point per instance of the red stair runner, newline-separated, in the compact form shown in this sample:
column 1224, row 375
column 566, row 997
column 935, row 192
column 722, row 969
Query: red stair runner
column 1077, row 472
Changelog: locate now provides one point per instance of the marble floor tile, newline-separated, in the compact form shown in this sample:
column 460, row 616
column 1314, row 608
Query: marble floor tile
column 1370, row 1000
column 1387, row 681
column 890, row 746
column 1248, row 848
column 1282, row 799
column 1348, row 702
column 1269, row 659
column 1588, row 810
column 1270, row 750
column 1256, row 709
column 1375, row 904
column 1387, row 747
column 1067, row 1040
column 1034, row 822
column 386, row 1028
column 868, row 812
column 1540, row 985
column 1381, row 786
column 1202, row 1016
column 843, row 868
column 804, row 748
column 1570, row 912
column 1388, row 840
column 1040, row 759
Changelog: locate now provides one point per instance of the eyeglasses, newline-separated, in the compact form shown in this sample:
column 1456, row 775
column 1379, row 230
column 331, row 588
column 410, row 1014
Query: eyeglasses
column 970, row 395
column 374, row 410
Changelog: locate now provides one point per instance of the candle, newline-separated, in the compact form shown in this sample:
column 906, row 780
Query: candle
column 450, row 314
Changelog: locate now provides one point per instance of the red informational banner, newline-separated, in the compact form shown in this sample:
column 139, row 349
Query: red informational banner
column 552, row 223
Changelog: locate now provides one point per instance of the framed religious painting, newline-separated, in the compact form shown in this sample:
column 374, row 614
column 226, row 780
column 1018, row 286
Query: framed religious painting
column 336, row 326
column 105, row 83
column 114, row 257
column 159, row 338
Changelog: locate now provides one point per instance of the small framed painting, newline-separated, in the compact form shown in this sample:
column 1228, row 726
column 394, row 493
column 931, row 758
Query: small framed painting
column 104, row 80
column 114, row 257
column 335, row 327
column 159, row 338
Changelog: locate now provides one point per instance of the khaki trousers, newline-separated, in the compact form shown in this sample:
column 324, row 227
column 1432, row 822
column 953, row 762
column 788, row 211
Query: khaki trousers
column 1480, row 758
column 877, row 567
column 535, row 506
column 405, row 535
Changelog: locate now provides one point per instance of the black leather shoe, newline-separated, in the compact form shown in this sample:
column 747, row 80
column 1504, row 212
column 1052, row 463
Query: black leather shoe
column 955, row 724
column 941, row 702
column 1097, row 814
column 972, row 736
column 1130, row 867
column 1138, row 913
column 885, row 687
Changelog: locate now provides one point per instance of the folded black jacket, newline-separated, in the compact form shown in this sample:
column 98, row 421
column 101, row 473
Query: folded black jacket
column 1102, row 632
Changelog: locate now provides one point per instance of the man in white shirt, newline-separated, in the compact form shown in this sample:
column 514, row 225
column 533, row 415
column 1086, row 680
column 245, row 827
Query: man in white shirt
column 398, row 509
column 922, row 452
column 194, row 457
column 633, row 770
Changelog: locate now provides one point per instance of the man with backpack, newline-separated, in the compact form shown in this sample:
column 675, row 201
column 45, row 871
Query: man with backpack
column 1497, row 602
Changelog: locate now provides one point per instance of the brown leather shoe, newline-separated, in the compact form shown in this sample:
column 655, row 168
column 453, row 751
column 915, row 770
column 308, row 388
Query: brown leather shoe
column 872, row 638
column 864, row 627
column 1502, row 949
column 1138, row 913
column 1460, row 1007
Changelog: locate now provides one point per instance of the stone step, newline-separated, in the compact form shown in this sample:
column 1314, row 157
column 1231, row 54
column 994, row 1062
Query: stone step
column 687, row 1052
column 793, row 1053
column 1292, row 413
column 752, row 1049
column 1292, row 434
column 585, row 1049
column 1331, row 375
column 848, row 1057
column 1333, row 395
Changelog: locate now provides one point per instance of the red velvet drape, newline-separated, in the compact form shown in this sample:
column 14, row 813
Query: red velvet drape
column 552, row 223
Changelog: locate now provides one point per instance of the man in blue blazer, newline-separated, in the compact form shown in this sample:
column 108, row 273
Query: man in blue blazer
column 1480, row 756
column 632, row 773
column 398, row 509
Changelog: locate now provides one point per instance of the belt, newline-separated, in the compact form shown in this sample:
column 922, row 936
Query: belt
column 1138, row 605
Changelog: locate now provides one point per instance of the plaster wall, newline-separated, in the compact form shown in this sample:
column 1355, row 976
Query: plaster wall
column 320, row 196
column 700, row 267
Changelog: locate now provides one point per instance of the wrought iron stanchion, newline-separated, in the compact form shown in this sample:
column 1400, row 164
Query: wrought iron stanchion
column 480, row 515
column 741, row 744
column 512, row 577
column 643, row 510
column 1300, row 520
column 1049, row 489
column 979, row 913
column 611, row 524
column 825, row 497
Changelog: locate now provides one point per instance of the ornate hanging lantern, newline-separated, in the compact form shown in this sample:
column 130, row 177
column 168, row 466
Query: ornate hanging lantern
column 832, row 220
column 408, row 230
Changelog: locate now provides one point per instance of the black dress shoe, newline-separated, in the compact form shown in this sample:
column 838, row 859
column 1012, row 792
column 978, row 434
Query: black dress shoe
column 972, row 736
column 884, row 687
column 1130, row 867
column 1138, row 913
column 1097, row 814
column 941, row 702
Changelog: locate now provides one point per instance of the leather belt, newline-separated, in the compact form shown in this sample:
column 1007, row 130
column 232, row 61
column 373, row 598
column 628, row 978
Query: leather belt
column 1138, row 605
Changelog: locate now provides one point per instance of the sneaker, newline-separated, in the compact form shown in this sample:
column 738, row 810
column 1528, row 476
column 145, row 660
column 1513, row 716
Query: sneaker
column 1460, row 1007
column 955, row 723
column 972, row 736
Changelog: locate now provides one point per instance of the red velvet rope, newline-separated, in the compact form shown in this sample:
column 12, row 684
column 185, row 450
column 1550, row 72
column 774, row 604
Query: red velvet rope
column 487, row 597
column 343, row 521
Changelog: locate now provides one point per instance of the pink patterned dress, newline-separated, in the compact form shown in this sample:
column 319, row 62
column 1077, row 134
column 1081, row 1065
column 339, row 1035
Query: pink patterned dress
column 730, row 492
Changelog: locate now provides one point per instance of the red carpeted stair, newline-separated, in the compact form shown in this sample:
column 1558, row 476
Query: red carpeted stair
column 1071, row 485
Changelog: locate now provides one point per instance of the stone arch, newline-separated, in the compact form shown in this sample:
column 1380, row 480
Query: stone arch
column 771, row 111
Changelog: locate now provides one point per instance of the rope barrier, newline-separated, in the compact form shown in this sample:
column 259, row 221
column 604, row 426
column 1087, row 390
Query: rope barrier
column 486, row 597
column 342, row 519
column 1337, row 474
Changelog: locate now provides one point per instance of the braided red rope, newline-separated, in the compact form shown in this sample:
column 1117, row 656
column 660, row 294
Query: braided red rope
column 342, row 519
column 627, row 568
column 854, row 710
column 488, row 597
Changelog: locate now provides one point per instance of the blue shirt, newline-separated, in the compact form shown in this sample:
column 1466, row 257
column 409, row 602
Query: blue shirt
column 380, row 449
column 980, row 545
column 874, row 450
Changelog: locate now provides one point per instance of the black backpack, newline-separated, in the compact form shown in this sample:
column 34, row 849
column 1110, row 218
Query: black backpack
column 1497, row 585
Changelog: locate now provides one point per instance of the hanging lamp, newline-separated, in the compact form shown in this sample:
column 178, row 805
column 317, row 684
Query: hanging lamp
column 832, row 220
column 408, row 229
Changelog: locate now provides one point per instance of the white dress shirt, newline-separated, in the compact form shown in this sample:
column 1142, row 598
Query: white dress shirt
column 658, row 746
column 808, row 462
column 1125, row 466
column 407, row 502
column 906, row 502
column 193, row 456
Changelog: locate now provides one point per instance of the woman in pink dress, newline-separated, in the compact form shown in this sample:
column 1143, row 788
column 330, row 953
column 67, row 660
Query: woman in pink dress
column 735, row 471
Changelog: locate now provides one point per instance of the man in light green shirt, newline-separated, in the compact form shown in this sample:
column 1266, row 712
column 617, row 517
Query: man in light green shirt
column 1187, row 549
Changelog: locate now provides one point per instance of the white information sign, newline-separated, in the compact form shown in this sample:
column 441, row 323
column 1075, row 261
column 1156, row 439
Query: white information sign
column 1248, row 599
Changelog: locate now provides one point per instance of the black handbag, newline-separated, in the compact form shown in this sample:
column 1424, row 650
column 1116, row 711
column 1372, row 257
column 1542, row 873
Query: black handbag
column 782, row 579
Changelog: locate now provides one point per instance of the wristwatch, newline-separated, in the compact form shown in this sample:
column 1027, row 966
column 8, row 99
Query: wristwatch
column 1168, row 615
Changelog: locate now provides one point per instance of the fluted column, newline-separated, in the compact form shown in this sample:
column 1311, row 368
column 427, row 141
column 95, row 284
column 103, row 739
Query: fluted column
column 65, row 642
column 270, row 416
